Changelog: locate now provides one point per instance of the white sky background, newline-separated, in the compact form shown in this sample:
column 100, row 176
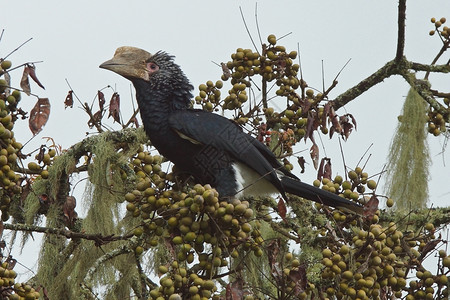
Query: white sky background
column 74, row 37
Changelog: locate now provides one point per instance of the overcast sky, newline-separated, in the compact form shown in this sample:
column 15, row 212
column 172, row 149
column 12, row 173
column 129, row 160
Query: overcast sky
column 73, row 37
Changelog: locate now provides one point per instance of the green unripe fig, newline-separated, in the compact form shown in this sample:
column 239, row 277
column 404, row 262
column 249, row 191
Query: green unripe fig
column 6, row 64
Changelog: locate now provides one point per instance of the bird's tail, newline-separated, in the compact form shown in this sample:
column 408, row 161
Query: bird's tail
column 296, row 187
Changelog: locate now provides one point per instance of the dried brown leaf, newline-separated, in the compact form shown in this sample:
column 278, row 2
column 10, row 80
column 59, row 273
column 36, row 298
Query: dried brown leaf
column 40, row 155
column 301, row 162
column 32, row 72
column 8, row 83
column 39, row 115
column 347, row 130
column 226, row 71
column 326, row 111
column 299, row 278
column 314, row 153
column 25, row 82
column 336, row 124
column 282, row 209
column 353, row 120
column 273, row 250
column 324, row 170
column 96, row 118
column 69, row 210
column 327, row 173
column 101, row 99
column 235, row 290
column 11, row 262
column 136, row 122
column 371, row 207
column 114, row 107
column 430, row 246
column 69, row 100
column 331, row 131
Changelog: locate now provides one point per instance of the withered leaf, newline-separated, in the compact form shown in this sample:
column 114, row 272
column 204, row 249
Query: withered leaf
column 114, row 107
column 301, row 162
column 325, row 114
column 235, row 290
column 25, row 82
column 40, row 155
column 32, row 71
column 69, row 210
column 353, row 120
column 324, row 170
column 69, row 100
column 136, row 122
column 331, row 113
column 336, row 125
column 101, row 99
column 11, row 262
column 430, row 246
column 226, row 71
column 282, row 209
column 39, row 115
column 371, row 207
column 331, row 131
column 44, row 202
column 327, row 168
column 306, row 105
column 273, row 250
column 347, row 130
column 8, row 83
column 96, row 118
column 43, row 198
column 314, row 153
column 299, row 278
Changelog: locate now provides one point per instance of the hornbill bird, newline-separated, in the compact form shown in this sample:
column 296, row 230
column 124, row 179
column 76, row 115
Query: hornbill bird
column 211, row 148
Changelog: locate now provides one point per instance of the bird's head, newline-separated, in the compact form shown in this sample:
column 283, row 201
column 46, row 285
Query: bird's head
column 157, row 71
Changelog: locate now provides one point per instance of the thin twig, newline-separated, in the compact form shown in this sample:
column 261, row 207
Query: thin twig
column 246, row 28
column 24, row 64
column 444, row 48
column 257, row 24
column 16, row 48
column 323, row 78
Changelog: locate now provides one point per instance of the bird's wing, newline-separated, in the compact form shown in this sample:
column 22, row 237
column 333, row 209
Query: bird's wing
column 208, row 129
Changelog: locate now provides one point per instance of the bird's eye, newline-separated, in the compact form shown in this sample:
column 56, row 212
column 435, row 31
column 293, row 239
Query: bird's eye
column 152, row 67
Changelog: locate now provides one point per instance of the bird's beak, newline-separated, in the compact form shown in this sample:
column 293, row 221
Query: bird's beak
column 130, row 62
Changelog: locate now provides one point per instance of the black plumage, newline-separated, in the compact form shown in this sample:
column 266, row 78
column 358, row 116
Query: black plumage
column 208, row 146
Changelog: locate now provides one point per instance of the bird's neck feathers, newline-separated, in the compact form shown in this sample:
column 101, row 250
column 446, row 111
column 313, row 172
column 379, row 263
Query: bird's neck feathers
column 168, row 93
column 156, row 104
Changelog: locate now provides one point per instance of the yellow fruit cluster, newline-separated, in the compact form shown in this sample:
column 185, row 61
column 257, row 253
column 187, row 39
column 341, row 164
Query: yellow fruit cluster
column 209, row 95
column 203, row 230
column 444, row 31
column 358, row 183
column 436, row 121
column 9, row 147
column 15, row 291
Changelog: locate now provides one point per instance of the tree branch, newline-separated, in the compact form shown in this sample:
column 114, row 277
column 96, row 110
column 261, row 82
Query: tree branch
column 97, row 238
column 85, row 285
column 423, row 89
column 384, row 72
column 401, row 30
column 430, row 68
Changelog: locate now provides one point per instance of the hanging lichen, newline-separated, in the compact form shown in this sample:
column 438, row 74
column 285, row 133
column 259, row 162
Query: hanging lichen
column 409, row 159
column 63, row 265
